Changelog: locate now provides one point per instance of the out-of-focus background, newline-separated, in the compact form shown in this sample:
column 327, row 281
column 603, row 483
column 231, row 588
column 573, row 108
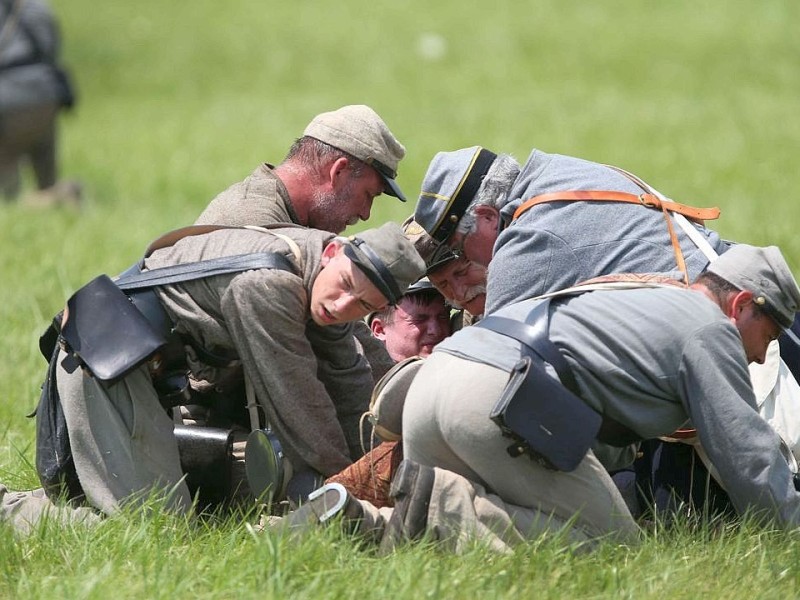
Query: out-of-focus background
column 177, row 100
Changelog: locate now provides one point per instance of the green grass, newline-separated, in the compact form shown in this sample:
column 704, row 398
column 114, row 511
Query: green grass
column 178, row 100
column 137, row 556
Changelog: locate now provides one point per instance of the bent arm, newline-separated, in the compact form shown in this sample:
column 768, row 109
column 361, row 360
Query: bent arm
column 266, row 314
column 742, row 446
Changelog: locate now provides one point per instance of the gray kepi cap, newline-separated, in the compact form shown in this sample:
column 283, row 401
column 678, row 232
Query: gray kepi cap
column 764, row 272
column 387, row 258
column 435, row 254
column 450, row 184
column 359, row 131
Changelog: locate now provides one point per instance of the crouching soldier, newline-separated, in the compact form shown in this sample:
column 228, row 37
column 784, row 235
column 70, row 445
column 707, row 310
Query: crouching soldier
column 498, row 422
column 261, row 301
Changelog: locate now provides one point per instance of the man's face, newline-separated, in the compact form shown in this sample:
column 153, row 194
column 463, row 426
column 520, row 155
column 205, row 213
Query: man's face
column 347, row 200
column 463, row 283
column 418, row 324
column 757, row 330
column 478, row 245
column 341, row 292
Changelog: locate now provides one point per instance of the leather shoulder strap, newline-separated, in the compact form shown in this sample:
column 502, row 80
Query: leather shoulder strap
column 172, row 237
column 136, row 280
column 534, row 333
column 646, row 199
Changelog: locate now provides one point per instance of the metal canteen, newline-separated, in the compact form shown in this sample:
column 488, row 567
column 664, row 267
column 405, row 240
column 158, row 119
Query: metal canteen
column 266, row 467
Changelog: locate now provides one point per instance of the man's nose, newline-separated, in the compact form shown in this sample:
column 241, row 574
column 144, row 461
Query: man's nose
column 365, row 212
column 761, row 356
column 459, row 291
column 344, row 303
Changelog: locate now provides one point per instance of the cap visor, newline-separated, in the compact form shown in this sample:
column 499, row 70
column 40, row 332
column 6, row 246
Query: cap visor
column 392, row 188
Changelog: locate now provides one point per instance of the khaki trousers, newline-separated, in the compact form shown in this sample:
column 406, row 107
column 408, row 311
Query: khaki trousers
column 446, row 425
column 25, row 510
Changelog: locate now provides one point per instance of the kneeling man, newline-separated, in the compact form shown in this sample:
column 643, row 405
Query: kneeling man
column 646, row 361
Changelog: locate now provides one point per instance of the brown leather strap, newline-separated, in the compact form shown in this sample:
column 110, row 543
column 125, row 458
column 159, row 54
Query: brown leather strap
column 647, row 200
column 171, row 237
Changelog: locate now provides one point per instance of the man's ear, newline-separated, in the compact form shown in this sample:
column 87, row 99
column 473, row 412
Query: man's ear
column 377, row 328
column 737, row 303
column 337, row 172
column 330, row 251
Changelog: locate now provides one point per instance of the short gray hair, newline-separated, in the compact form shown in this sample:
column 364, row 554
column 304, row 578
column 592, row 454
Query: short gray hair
column 493, row 191
column 311, row 153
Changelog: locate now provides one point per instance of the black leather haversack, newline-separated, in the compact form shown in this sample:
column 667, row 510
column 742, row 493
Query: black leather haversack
column 105, row 332
column 545, row 419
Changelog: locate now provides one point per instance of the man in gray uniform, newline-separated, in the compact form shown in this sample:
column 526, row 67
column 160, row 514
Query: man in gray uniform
column 327, row 181
column 470, row 198
column 559, row 220
column 260, row 319
column 646, row 360
column 461, row 281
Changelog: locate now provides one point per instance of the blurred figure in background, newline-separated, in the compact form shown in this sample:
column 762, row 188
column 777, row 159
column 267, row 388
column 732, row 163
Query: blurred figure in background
column 34, row 88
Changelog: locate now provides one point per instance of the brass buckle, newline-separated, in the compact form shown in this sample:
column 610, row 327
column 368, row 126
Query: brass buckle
column 650, row 203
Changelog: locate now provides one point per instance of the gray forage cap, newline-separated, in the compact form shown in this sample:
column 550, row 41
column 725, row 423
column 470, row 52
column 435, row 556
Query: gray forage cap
column 387, row 258
column 359, row 131
column 450, row 184
column 764, row 272
column 434, row 253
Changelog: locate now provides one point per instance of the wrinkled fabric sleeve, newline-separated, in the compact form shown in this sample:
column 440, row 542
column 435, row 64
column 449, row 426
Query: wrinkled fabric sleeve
column 265, row 312
column 346, row 376
column 716, row 390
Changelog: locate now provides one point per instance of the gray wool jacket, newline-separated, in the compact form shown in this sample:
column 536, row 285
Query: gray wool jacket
column 553, row 246
column 310, row 381
column 656, row 360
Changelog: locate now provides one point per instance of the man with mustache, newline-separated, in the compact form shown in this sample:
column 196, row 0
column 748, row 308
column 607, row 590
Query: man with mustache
column 557, row 220
column 328, row 181
column 613, row 363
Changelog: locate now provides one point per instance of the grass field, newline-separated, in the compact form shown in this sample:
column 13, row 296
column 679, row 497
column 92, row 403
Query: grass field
column 178, row 100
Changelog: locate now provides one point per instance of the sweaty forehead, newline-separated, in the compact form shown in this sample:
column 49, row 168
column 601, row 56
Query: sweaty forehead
column 430, row 298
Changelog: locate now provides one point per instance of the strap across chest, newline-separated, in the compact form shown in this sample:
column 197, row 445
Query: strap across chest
column 648, row 199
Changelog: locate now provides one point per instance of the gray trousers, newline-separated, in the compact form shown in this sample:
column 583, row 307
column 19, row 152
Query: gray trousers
column 446, row 425
column 462, row 513
column 122, row 440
